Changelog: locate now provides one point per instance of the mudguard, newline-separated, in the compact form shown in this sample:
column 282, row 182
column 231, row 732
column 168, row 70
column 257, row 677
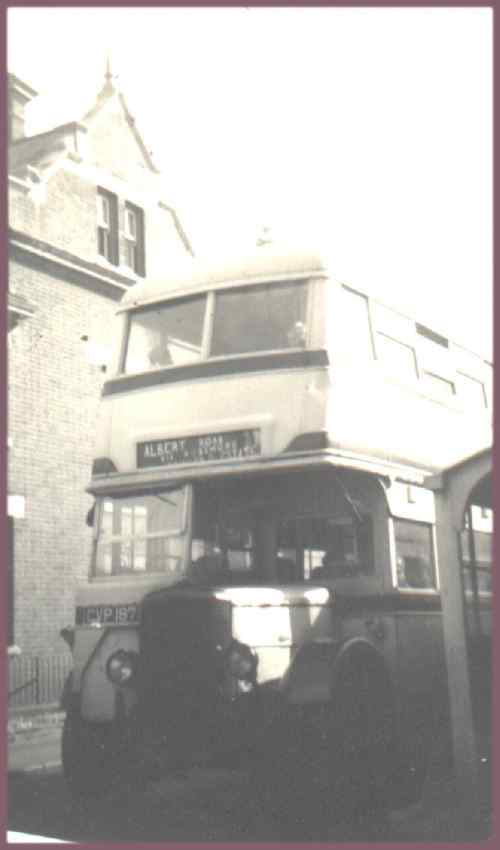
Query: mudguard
column 314, row 669
column 98, row 695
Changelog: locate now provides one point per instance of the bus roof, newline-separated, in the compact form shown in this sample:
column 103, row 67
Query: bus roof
column 265, row 263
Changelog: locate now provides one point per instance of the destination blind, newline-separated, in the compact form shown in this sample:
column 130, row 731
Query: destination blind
column 199, row 448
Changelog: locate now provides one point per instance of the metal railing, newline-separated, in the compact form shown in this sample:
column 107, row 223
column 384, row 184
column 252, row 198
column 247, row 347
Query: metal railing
column 37, row 679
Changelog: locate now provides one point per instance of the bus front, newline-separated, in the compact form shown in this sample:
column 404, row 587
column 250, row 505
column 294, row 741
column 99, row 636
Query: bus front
column 219, row 382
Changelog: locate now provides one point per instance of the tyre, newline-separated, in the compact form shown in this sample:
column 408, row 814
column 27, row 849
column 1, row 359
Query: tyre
column 92, row 756
column 290, row 777
column 332, row 764
column 360, row 741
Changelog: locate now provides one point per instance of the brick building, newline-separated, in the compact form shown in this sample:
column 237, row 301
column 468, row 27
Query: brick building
column 86, row 220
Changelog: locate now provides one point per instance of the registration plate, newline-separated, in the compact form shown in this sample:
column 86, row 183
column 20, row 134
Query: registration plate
column 199, row 448
column 107, row 615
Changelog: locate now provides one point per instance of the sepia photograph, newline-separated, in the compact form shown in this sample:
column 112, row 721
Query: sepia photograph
column 249, row 442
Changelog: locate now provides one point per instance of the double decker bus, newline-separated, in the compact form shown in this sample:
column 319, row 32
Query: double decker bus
column 264, row 581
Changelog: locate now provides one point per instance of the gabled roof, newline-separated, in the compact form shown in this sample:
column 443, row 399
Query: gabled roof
column 45, row 148
column 107, row 93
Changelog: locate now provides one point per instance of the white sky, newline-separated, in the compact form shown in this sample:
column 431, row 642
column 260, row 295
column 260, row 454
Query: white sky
column 365, row 132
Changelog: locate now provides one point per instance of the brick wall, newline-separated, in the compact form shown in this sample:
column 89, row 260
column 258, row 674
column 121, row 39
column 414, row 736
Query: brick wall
column 67, row 215
column 54, row 389
column 53, row 398
column 62, row 212
column 23, row 212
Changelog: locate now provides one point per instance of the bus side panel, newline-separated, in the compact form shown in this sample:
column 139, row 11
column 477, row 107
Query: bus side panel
column 421, row 681
column 373, row 413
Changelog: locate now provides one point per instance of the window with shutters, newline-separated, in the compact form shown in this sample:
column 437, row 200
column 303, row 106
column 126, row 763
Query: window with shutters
column 134, row 239
column 107, row 226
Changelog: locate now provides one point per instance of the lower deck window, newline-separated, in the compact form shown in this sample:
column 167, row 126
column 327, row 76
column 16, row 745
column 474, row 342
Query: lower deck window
column 244, row 544
column 325, row 547
column 414, row 555
column 140, row 534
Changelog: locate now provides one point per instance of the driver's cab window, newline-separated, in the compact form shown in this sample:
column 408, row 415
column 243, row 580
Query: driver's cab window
column 318, row 548
column 223, row 543
column 241, row 536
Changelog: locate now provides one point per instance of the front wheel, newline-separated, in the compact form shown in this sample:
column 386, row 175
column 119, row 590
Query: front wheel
column 360, row 745
column 332, row 766
column 290, row 776
column 92, row 756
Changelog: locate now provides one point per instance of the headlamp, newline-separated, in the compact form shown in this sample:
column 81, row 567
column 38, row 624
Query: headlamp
column 241, row 661
column 121, row 667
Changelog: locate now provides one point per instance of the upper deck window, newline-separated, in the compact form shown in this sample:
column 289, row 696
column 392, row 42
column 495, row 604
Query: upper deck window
column 436, row 363
column 267, row 317
column 441, row 385
column 398, row 358
column 471, row 391
column 167, row 335
column 259, row 318
column 355, row 330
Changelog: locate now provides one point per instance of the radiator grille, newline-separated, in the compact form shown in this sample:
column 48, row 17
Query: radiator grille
column 180, row 659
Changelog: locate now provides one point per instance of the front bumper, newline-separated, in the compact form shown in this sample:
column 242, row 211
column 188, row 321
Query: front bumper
column 172, row 737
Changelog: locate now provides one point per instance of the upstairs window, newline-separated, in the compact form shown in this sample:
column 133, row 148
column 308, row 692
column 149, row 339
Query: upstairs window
column 134, row 239
column 437, row 367
column 355, row 331
column 107, row 226
column 472, row 391
column 397, row 357
column 260, row 318
column 442, row 386
column 427, row 333
column 166, row 336
column 269, row 317
column 395, row 343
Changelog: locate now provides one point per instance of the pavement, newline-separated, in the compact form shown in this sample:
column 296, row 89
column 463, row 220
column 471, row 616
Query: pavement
column 28, row 838
column 35, row 749
column 437, row 817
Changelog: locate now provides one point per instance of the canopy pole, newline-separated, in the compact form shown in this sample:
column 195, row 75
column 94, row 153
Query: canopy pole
column 465, row 750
